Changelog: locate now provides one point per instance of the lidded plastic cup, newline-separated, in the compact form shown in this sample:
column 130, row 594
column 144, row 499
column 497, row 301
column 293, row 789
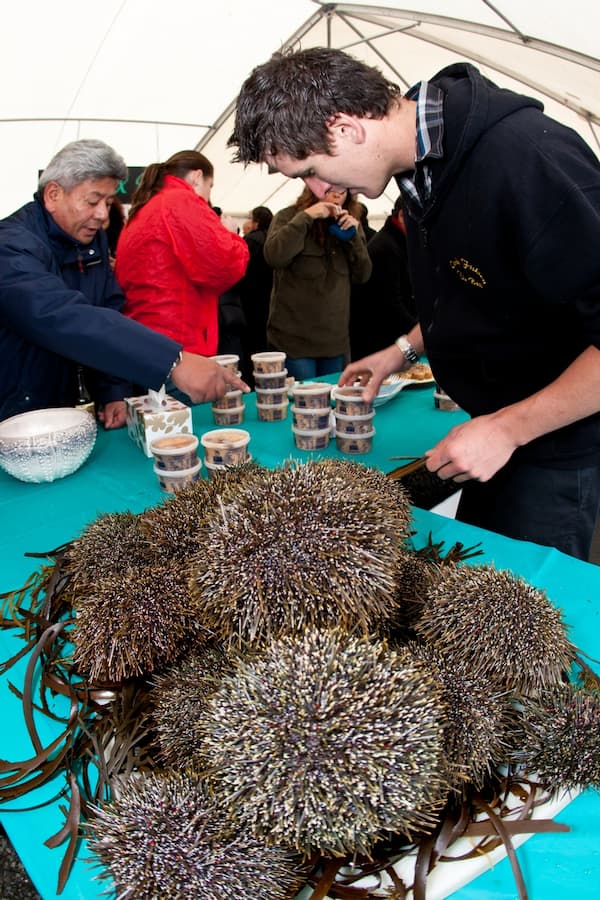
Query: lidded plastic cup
column 214, row 467
column 311, row 419
column 232, row 416
column 349, row 401
column 229, row 400
column 271, row 395
column 266, row 380
column 269, row 361
column 311, row 439
column 225, row 446
column 227, row 360
column 175, row 451
column 311, row 394
column 272, row 412
column 354, row 443
column 354, row 424
column 177, row 479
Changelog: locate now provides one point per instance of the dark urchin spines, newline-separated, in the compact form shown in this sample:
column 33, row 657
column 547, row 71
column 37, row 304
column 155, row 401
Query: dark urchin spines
column 326, row 742
column 162, row 838
column 500, row 627
column 312, row 545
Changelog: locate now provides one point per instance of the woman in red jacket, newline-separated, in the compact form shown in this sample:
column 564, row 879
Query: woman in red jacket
column 174, row 255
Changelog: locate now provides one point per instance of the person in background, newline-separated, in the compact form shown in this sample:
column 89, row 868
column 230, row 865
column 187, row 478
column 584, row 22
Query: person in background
column 255, row 288
column 175, row 257
column 113, row 227
column 364, row 221
column 383, row 307
column 317, row 250
column 60, row 303
column 502, row 208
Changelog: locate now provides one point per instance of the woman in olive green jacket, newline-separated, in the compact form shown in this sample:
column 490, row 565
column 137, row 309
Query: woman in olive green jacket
column 317, row 249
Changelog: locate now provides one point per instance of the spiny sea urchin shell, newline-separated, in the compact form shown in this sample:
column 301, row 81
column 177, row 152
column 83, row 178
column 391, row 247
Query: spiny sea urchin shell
column 108, row 546
column 134, row 623
column 315, row 544
column 179, row 697
column 173, row 527
column 326, row 742
column 161, row 838
column 561, row 738
column 498, row 626
column 478, row 721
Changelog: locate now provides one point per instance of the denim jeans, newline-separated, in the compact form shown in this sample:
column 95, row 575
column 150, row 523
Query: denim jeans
column 305, row 367
column 554, row 507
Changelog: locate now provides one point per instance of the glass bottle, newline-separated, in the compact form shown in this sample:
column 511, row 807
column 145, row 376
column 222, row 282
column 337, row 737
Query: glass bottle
column 84, row 400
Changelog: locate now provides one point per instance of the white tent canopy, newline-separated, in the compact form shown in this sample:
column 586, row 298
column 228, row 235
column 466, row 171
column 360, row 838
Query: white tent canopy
column 151, row 79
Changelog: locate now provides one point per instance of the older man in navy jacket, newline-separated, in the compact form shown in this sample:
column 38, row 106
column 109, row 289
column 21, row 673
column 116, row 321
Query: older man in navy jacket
column 60, row 303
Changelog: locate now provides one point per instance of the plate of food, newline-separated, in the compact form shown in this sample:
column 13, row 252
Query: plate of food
column 419, row 373
column 391, row 386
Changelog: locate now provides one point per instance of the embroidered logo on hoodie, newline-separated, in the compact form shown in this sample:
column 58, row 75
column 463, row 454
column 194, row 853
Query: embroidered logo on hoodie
column 467, row 272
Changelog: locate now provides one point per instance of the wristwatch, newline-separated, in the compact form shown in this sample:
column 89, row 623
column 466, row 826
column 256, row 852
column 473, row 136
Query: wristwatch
column 410, row 354
column 176, row 363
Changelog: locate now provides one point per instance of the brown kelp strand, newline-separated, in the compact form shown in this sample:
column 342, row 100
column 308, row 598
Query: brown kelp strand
column 326, row 742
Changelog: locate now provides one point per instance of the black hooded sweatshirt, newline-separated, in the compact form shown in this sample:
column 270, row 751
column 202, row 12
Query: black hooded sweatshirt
column 505, row 257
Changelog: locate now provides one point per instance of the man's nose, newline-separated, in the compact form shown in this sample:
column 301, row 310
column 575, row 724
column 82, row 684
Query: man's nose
column 102, row 211
column 319, row 187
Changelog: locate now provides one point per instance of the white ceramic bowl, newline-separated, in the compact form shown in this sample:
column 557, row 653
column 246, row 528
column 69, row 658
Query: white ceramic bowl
column 46, row 444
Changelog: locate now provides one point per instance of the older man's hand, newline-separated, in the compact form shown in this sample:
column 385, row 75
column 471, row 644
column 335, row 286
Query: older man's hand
column 203, row 379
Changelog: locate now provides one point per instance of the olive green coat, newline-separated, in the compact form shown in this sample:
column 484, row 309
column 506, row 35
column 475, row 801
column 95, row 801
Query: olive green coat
column 310, row 301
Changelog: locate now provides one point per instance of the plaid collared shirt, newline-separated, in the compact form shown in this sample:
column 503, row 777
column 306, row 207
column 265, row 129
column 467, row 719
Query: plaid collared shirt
column 430, row 135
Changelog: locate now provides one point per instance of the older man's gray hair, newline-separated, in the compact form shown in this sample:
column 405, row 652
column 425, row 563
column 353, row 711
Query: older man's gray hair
column 80, row 160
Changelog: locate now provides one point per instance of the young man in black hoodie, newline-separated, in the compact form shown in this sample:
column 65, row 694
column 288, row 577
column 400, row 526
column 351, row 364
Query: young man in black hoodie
column 502, row 208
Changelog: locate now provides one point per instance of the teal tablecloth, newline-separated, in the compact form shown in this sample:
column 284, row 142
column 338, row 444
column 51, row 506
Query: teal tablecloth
column 117, row 477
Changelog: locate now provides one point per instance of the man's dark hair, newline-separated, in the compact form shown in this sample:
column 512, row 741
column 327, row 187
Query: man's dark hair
column 285, row 104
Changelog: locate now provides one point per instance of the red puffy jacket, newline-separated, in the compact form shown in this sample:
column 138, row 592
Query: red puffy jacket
column 174, row 259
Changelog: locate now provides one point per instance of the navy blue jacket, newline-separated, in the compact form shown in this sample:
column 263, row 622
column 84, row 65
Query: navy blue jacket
column 505, row 259
column 59, row 307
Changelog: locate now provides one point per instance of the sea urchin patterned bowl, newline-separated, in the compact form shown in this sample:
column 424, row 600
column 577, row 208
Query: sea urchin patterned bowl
column 46, row 444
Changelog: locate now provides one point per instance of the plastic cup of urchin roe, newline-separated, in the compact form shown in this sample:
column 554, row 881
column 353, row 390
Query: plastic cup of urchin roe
column 269, row 361
column 177, row 480
column 354, row 443
column 271, row 395
column 310, row 419
column 233, row 416
column 174, row 452
column 227, row 360
column 266, row 380
column 311, row 394
column 272, row 412
column 225, row 446
column 229, row 400
column 354, row 424
column 311, row 439
column 442, row 401
column 349, row 401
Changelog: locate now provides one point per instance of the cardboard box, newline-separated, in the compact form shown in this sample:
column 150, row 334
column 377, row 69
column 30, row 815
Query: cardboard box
column 148, row 419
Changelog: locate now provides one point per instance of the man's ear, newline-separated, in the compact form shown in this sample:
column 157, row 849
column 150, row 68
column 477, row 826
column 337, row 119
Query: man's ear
column 344, row 127
column 52, row 194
